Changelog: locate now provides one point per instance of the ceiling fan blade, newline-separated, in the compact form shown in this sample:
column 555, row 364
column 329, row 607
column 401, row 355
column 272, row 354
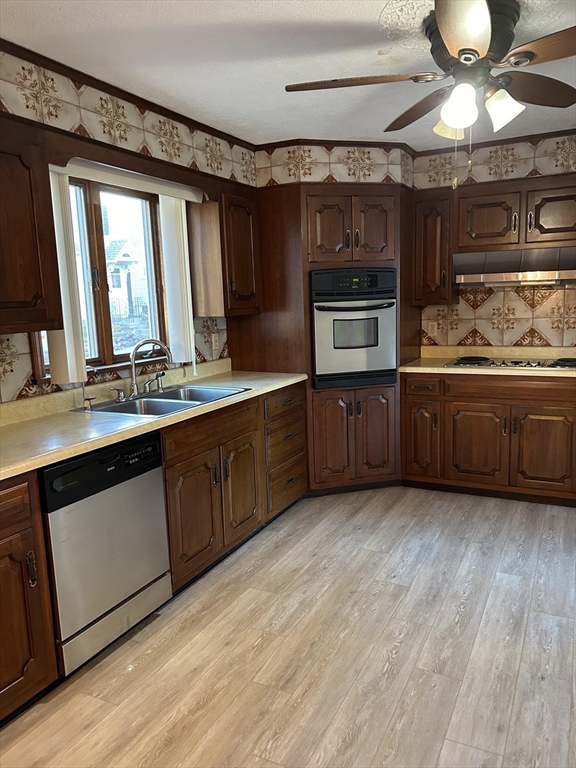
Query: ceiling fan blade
column 347, row 82
column 537, row 89
column 464, row 25
column 558, row 45
column 433, row 100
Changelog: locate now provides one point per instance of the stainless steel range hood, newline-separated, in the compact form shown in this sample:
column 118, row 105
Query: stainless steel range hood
column 529, row 266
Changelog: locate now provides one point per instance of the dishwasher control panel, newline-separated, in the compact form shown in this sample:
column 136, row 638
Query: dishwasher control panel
column 76, row 479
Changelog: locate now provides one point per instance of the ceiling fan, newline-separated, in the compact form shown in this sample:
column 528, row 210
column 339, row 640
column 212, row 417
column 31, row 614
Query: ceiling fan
column 469, row 38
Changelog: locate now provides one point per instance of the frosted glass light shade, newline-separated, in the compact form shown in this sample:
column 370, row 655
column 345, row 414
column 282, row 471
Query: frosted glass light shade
column 502, row 108
column 460, row 111
column 448, row 133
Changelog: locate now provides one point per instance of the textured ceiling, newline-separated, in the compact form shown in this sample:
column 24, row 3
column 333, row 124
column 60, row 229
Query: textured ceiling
column 225, row 62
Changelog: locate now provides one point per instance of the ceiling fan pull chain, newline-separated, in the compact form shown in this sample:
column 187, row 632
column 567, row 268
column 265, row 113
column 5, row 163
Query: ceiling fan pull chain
column 455, row 179
column 470, row 151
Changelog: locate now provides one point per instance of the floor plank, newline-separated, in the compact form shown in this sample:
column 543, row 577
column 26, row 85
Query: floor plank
column 484, row 705
column 520, row 552
column 416, row 732
column 455, row 755
column 354, row 734
column 540, row 726
column 555, row 586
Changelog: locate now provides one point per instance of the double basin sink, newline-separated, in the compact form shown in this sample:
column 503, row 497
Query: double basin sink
column 170, row 401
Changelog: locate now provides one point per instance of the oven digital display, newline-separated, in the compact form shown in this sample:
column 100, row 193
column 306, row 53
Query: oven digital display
column 355, row 334
column 356, row 281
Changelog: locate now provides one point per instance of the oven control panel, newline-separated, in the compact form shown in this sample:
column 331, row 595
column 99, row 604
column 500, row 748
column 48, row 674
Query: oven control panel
column 347, row 282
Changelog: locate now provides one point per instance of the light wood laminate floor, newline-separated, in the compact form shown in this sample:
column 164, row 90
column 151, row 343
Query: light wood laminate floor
column 395, row 627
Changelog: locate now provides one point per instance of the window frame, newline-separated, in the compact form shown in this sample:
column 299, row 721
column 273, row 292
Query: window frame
column 107, row 360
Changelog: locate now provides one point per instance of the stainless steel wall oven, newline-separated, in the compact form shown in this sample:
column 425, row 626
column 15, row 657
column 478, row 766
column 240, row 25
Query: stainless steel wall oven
column 353, row 327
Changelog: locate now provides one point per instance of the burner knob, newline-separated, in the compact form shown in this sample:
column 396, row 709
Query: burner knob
column 504, row 363
column 528, row 364
column 539, row 364
column 516, row 362
column 491, row 363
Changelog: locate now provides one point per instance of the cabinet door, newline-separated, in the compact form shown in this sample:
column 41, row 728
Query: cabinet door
column 333, row 413
column 551, row 216
column 373, row 221
column 27, row 649
column 543, row 448
column 195, row 514
column 329, row 228
column 29, row 283
column 488, row 220
column 477, row 440
column 240, row 487
column 375, row 433
column 241, row 254
column 432, row 253
column 421, row 438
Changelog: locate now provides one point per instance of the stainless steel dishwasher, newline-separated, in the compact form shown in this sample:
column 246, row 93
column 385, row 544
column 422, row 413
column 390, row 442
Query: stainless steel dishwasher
column 106, row 521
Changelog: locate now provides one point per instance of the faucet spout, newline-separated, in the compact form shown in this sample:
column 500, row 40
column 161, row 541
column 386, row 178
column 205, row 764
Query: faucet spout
column 145, row 342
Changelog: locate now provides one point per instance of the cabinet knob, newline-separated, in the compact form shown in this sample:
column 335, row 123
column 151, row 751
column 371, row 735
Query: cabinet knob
column 359, row 407
column 435, row 421
column 530, row 221
column 289, row 481
column 226, row 464
column 216, row 471
column 288, row 436
column 357, row 239
column 443, row 279
column 347, row 239
column 288, row 401
column 515, row 425
column 505, row 425
column 515, row 222
column 351, row 409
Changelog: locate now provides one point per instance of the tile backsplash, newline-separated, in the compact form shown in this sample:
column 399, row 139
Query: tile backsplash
column 17, row 382
column 512, row 317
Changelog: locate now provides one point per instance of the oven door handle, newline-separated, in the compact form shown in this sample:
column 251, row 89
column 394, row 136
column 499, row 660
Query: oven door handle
column 326, row 308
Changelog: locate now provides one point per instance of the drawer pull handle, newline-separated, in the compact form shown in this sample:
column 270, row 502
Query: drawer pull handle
column 211, row 541
column 288, row 401
column 514, row 222
column 289, row 436
column 31, row 566
column 435, row 421
column 515, row 425
column 216, row 471
column 226, row 470
column 421, row 387
column 505, row 425
column 289, row 481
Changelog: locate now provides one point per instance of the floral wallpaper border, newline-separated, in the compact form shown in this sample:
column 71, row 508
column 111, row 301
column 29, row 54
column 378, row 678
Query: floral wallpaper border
column 31, row 91
column 524, row 316
column 16, row 380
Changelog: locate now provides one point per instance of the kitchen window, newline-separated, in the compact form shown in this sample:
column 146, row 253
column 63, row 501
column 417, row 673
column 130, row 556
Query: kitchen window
column 124, row 268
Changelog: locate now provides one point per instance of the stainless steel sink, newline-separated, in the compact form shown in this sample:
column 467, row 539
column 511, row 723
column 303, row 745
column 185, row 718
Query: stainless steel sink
column 197, row 394
column 143, row 406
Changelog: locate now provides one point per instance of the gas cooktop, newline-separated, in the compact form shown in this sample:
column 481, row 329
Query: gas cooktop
column 476, row 361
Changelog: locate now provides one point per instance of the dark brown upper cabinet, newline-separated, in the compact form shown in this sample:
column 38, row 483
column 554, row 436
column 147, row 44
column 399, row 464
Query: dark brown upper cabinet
column 432, row 281
column 29, row 284
column 350, row 228
column 241, row 255
column 517, row 214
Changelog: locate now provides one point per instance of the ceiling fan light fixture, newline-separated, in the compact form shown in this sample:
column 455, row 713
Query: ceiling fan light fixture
column 502, row 108
column 460, row 111
column 447, row 132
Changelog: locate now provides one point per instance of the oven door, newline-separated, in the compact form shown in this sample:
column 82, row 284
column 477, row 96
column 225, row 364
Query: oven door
column 354, row 336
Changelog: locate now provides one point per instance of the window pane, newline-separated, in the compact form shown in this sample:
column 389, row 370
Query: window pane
column 83, row 267
column 130, row 268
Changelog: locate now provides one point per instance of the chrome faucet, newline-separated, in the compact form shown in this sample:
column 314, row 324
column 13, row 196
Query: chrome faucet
column 156, row 342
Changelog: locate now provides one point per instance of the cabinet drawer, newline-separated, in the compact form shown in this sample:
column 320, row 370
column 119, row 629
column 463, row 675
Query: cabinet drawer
column 510, row 388
column 203, row 432
column 286, row 484
column 15, row 509
column 286, row 401
column 421, row 386
column 284, row 438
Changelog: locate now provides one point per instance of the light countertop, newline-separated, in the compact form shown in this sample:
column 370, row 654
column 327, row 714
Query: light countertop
column 436, row 365
column 38, row 442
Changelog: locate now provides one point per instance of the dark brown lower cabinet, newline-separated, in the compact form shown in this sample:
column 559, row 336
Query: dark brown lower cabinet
column 240, row 469
column 421, row 436
column 523, row 447
column 195, row 513
column 27, row 648
column 543, row 444
column 354, row 435
column 476, row 442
